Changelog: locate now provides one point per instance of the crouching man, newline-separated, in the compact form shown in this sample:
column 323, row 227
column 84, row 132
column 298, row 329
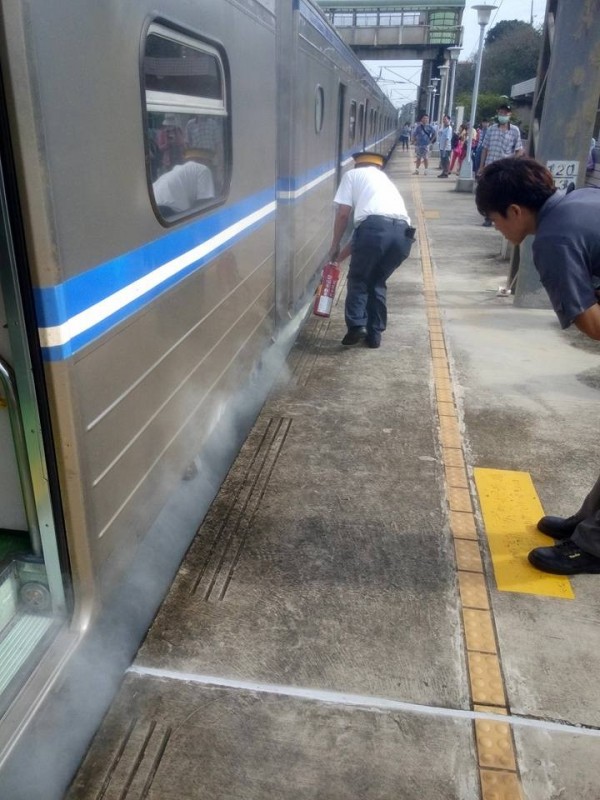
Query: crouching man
column 519, row 196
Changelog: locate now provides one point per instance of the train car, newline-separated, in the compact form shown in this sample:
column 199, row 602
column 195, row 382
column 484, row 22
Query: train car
column 167, row 176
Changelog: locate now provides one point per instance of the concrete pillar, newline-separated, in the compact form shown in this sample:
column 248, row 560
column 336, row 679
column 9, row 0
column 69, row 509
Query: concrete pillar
column 570, row 89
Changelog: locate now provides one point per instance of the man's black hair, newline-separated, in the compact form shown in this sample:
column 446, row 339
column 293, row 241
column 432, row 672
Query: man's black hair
column 513, row 181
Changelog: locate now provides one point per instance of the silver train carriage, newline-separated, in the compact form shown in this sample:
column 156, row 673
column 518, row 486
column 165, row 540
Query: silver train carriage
column 166, row 204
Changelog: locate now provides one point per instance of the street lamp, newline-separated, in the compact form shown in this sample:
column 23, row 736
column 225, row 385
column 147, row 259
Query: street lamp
column 430, row 91
column 453, row 53
column 434, row 84
column 465, row 179
column 443, row 70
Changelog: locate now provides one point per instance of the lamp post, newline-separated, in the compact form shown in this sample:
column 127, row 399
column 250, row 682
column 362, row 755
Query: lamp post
column 465, row 178
column 444, row 69
column 430, row 90
column 453, row 53
column 434, row 83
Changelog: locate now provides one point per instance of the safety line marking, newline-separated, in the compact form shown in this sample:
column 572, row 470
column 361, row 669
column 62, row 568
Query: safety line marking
column 498, row 769
column 481, row 713
column 510, row 508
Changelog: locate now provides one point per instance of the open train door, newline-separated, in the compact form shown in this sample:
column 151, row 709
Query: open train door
column 33, row 604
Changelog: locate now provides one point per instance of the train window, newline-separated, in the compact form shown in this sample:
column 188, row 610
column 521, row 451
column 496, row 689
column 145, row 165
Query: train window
column 319, row 108
column 352, row 123
column 361, row 122
column 187, row 123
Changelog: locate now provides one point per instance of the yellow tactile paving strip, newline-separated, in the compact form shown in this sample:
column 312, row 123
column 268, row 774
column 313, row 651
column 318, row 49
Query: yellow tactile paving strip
column 510, row 506
column 498, row 770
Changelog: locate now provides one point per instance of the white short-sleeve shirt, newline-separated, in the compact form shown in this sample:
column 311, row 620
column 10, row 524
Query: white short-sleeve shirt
column 369, row 191
column 184, row 186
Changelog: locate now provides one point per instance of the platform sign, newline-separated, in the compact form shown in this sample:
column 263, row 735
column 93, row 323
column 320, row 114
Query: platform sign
column 563, row 172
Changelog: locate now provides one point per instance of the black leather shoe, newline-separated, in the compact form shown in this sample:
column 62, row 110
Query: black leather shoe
column 558, row 527
column 564, row 559
column 354, row 336
column 373, row 340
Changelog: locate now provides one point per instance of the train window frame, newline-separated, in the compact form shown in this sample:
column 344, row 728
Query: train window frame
column 352, row 119
column 361, row 121
column 319, row 108
column 214, row 182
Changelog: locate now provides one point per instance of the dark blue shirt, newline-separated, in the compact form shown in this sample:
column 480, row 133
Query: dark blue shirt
column 566, row 251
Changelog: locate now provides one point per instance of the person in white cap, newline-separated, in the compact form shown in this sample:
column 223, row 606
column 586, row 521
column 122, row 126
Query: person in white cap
column 381, row 242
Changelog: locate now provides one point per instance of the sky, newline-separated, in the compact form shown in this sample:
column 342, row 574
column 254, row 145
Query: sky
column 398, row 78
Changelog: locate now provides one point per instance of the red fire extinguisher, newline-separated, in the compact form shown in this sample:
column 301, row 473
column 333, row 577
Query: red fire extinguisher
column 326, row 290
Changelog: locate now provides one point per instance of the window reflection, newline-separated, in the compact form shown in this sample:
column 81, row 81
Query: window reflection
column 187, row 123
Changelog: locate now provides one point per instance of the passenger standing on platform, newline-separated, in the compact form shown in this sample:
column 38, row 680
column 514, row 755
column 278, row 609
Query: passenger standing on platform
column 423, row 137
column 519, row 196
column 381, row 242
column 501, row 140
column 405, row 136
column 445, row 146
column 478, row 145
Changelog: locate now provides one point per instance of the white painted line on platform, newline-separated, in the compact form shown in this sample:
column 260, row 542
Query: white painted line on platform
column 362, row 701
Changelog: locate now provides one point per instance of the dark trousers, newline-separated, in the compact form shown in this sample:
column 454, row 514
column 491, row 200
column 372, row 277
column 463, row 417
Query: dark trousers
column 445, row 161
column 587, row 533
column 379, row 246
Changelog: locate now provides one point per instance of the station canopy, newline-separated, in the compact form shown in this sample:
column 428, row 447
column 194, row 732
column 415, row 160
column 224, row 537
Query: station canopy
column 409, row 5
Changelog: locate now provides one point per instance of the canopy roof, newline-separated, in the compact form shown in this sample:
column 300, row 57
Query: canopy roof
column 397, row 5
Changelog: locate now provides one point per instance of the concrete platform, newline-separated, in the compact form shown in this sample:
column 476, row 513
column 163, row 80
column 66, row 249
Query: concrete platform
column 318, row 639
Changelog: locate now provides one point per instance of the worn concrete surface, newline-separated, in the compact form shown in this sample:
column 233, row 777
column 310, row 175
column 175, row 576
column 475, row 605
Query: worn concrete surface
column 326, row 564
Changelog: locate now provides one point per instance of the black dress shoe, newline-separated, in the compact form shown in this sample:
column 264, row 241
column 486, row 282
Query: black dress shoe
column 354, row 336
column 373, row 340
column 564, row 559
column 558, row 527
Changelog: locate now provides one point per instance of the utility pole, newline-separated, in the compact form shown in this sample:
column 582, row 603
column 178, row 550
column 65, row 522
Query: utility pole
column 564, row 106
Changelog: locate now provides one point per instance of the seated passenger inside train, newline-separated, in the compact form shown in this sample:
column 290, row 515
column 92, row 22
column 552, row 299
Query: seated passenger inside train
column 184, row 186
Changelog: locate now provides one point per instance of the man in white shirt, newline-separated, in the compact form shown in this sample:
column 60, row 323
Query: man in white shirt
column 381, row 242
column 183, row 187
column 445, row 140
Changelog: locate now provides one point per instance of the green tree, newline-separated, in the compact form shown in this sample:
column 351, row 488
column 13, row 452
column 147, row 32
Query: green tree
column 510, row 55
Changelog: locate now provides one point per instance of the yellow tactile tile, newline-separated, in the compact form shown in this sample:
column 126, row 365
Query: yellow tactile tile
column 438, row 349
column 443, row 394
column 432, row 214
column 473, row 594
column 453, row 457
column 462, row 525
column 446, row 408
column 468, row 556
column 442, row 382
column 500, row 785
column 495, row 745
column 479, row 631
column 486, row 680
column 436, row 336
column 459, row 499
column 457, row 477
column 449, row 433
column 491, row 709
